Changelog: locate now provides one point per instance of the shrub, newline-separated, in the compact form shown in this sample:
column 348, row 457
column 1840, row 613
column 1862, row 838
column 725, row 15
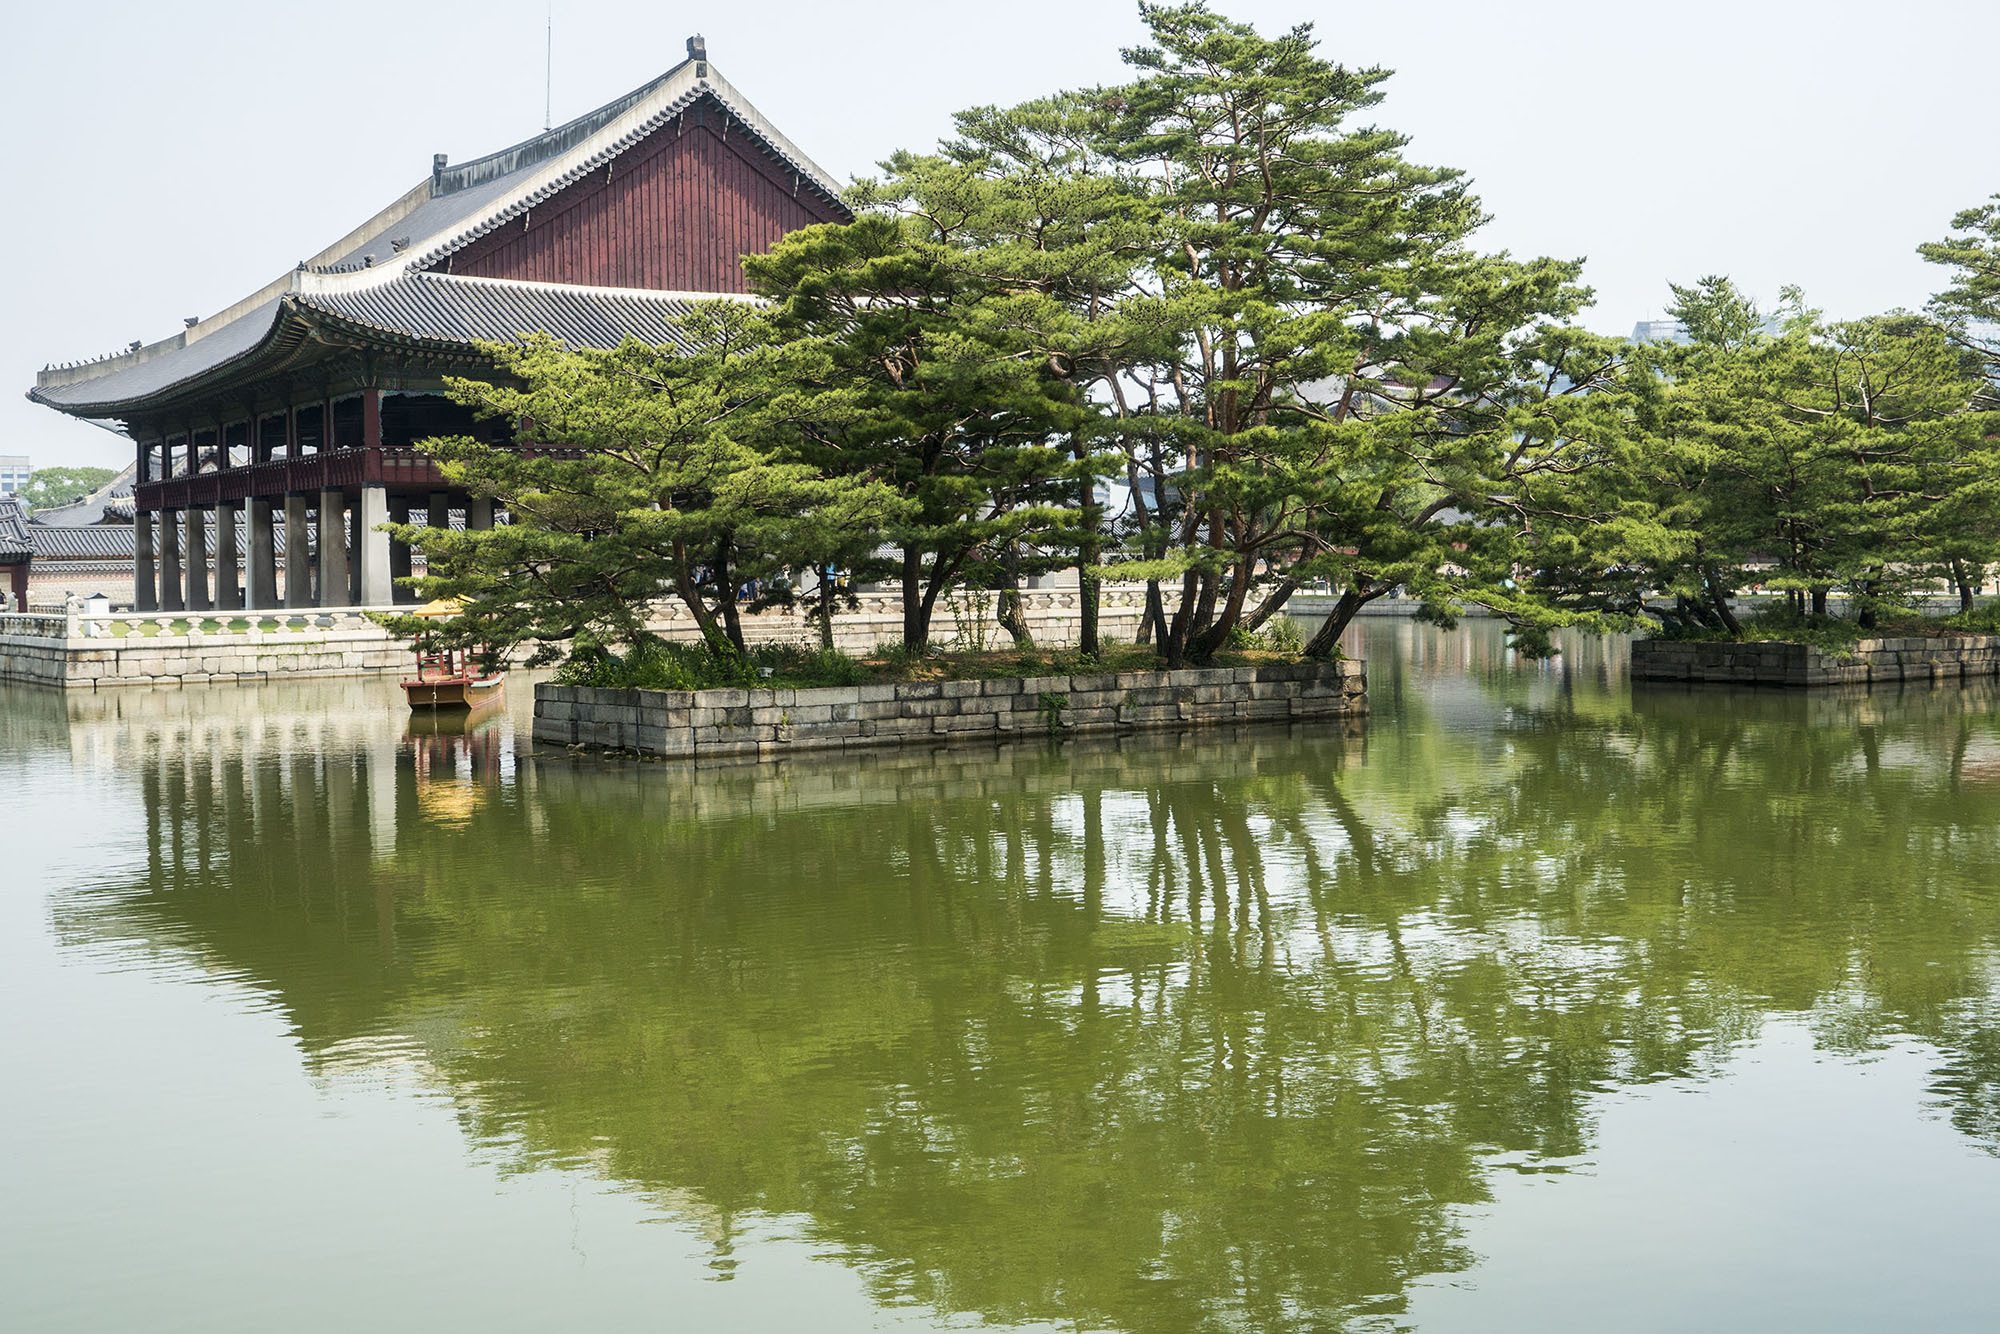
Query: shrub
column 654, row 664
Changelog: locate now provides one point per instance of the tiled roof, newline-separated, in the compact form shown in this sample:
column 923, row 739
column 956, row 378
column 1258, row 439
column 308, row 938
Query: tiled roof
column 462, row 310
column 94, row 542
column 453, row 208
column 14, row 546
column 117, row 542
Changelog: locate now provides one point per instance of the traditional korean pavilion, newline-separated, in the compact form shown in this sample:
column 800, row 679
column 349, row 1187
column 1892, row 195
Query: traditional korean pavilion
column 301, row 403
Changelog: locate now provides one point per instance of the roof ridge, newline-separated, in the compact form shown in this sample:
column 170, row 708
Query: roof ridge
column 587, row 289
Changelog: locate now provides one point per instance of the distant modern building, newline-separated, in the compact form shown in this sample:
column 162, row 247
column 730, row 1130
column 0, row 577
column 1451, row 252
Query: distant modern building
column 297, row 408
column 14, row 472
column 1659, row 331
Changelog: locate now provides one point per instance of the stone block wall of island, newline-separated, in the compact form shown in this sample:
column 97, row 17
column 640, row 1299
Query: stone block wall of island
column 1871, row 662
column 699, row 724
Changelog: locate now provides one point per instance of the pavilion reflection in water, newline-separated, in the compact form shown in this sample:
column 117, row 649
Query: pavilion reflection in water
column 1167, row 1034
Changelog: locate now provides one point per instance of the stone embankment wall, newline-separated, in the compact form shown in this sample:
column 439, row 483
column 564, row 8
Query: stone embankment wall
column 770, row 723
column 1874, row 661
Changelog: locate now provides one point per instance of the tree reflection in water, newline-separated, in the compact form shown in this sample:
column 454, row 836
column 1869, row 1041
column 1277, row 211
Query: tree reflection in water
column 1166, row 1034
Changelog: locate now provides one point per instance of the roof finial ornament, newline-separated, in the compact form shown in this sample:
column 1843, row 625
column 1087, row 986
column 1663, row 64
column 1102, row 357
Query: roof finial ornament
column 698, row 53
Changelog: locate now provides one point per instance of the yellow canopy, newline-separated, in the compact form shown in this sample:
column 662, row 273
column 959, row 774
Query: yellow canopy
column 439, row 609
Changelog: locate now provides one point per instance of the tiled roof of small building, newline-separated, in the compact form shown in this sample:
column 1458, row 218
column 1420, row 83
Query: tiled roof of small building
column 14, row 544
column 91, row 542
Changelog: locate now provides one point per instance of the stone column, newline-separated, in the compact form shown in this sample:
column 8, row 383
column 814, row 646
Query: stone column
column 173, row 595
column 372, row 548
column 228, row 569
column 145, row 575
column 399, row 553
column 332, row 549
column 298, row 554
column 196, row 558
column 478, row 514
column 263, row 589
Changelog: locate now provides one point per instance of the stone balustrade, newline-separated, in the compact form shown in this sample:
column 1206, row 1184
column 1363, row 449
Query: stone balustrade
column 189, row 647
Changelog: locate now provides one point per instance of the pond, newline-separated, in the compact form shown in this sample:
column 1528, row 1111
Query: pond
column 1536, row 1003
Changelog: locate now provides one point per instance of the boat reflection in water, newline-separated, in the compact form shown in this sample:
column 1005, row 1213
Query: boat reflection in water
column 1216, row 1031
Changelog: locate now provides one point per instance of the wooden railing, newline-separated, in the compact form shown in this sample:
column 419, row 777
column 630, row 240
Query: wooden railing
column 398, row 467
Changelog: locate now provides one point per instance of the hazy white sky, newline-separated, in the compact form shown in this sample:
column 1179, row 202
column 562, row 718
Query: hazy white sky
column 170, row 158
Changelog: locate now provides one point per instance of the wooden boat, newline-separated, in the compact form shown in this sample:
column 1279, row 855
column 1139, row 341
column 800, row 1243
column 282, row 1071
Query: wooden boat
column 442, row 682
column 449, row 678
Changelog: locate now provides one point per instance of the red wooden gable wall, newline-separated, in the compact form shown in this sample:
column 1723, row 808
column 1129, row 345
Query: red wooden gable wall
column 675, row 213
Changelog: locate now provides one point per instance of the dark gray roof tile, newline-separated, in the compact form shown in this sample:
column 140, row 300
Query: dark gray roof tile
column 448, row 309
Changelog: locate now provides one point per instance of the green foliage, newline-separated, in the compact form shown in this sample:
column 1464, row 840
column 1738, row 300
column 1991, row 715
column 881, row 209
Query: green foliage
column 1281, row 634
column 916, row 373
column 49, row 487
column 1831, row 634
column 654, row 664
column 650, row 472
column 1970, row 304
column 1823, row 458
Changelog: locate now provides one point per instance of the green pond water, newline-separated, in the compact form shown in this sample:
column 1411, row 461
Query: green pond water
column 1536, row 1002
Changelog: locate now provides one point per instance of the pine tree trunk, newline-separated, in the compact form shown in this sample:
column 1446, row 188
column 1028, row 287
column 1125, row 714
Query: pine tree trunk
column 1153, row 624
column 825, row 609
column 1326, row 640
column 1866, row 618
column 1819, row 601
column 1963, row 578
column 725, row 575
column 1182, row 626
column 1216, row 637
column 691, row 598
column 1013, row 617
column 1718, row 601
